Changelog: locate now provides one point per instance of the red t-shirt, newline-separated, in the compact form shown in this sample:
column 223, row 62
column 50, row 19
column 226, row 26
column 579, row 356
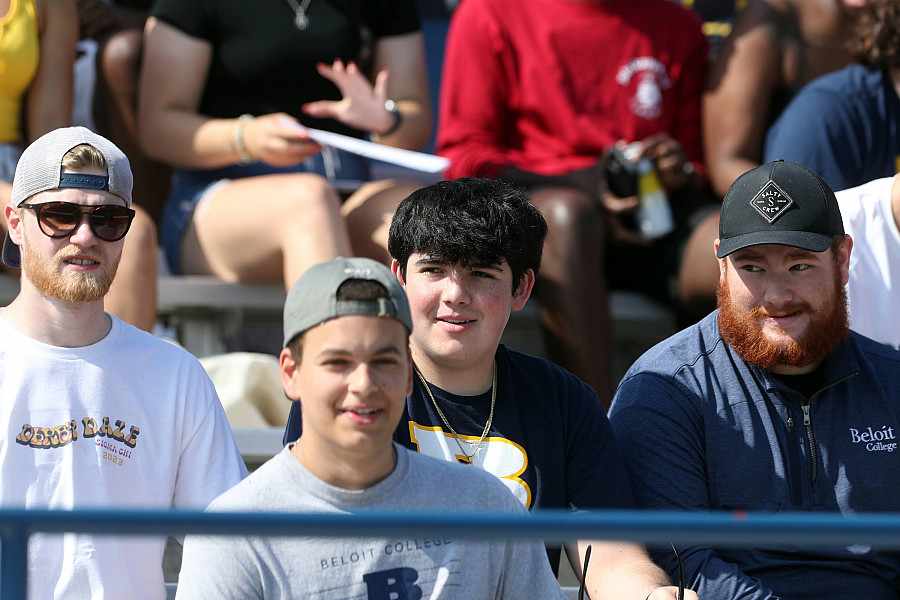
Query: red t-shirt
column 546, row 85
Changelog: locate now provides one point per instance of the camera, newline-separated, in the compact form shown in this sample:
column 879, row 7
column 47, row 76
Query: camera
column 621, row 173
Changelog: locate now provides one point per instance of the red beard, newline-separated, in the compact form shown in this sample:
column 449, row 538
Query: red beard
column 46, row 274
column 742, row 331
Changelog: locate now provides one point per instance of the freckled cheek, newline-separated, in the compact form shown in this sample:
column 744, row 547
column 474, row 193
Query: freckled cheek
column 495, row 294
column 421, row 300
column 497, row 302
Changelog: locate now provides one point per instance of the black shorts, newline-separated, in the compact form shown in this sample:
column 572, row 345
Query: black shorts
column 654, row 269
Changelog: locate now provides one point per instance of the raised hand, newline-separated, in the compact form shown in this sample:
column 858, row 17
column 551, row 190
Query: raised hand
column 362, row 103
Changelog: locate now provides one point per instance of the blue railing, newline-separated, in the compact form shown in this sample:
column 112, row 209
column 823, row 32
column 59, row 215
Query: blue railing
column 718, row 529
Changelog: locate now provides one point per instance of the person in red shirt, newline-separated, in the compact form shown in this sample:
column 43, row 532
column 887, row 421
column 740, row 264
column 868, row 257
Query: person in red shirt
column 537, row 93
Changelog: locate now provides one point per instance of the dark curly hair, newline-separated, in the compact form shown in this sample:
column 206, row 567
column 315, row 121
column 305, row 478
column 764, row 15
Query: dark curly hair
column 877, row 34
column 470, row 221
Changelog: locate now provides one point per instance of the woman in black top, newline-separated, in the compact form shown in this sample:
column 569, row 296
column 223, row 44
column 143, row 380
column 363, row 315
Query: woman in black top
column 227, row 89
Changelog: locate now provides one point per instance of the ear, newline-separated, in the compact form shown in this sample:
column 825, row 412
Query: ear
column 523, row 291
column 13, row 223
column 289, row 370
column 395, row 269
column 844, row 251
column 721, row 260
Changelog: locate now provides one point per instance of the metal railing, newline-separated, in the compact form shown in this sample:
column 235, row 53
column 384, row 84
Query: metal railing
column 736, row 529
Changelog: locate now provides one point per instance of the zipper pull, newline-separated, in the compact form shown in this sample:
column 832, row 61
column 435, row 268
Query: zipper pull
column 805, row 408
column 790, row 423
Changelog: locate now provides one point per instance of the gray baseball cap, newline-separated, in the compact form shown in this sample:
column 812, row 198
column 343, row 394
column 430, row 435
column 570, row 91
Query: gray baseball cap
column 40, row 169
column 313, row 299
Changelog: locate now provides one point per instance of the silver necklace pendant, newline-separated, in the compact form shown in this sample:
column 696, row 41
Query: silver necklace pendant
column 301, row 21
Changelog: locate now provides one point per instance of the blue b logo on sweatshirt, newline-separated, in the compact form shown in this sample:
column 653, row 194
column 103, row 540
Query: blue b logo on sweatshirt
column 393, row 584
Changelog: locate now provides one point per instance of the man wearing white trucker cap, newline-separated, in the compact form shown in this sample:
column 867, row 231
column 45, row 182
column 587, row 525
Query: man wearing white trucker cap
column 346, row 361
column 771, row 403
column 96, row 412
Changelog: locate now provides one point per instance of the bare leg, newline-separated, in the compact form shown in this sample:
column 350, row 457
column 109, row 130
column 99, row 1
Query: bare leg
column 369, row 212
column 132, row 296
column 699, row 272
column 572, row 288
column 265, row 229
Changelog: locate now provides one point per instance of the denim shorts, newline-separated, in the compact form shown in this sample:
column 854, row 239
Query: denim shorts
column 343, row 170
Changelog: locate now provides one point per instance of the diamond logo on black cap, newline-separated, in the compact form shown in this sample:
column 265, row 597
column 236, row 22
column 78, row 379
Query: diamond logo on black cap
column 771, row 201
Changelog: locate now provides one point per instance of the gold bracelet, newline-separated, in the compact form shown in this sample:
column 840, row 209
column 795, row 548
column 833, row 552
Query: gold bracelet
column 239, row 139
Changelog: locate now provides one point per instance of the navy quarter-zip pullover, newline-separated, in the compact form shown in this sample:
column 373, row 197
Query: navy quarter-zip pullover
column 702, row 430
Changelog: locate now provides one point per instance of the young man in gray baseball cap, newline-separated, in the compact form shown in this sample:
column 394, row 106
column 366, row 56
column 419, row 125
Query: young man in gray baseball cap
column 96, row 413
column 771, row 403
column 346, row 361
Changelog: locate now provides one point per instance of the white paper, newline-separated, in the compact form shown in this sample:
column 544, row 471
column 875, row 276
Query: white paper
column 418, row 161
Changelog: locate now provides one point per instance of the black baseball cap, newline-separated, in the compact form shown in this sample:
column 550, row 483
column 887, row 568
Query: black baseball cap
column 779, row 203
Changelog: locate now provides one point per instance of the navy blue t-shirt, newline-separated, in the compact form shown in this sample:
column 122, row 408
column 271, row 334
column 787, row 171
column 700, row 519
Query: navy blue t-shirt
column 550, row 441
column 845, row 126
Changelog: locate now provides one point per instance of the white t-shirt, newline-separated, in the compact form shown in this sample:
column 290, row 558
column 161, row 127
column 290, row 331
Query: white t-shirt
column 395, row 566
column 874, row 287
column 128, row 422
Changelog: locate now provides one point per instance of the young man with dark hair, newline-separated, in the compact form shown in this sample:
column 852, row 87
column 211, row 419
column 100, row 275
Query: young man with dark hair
column 96, row 413
column 771, row 403
column 346, row 365
column 466, row 252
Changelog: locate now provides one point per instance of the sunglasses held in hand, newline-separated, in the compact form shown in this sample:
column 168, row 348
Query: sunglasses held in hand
column 109, row 222
column 587, row 558
column 680, row 573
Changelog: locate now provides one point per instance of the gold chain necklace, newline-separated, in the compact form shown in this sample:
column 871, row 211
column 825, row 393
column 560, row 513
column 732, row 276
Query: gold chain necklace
column 487, row 426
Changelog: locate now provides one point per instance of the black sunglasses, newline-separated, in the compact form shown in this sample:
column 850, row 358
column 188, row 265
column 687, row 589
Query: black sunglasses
column 587, row 559
column 109, row 222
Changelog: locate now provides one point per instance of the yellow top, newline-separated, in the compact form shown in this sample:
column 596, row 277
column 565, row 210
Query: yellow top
column 19, row 55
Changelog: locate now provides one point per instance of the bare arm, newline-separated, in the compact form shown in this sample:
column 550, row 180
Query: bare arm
column 736, row 104
column 49, row 97
column 404, row 59
column 622, row 570
column 173, row 73
column 170, row 129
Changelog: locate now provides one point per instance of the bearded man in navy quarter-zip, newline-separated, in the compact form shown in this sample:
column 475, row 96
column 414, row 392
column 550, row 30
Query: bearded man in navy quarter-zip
column 771, row 403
